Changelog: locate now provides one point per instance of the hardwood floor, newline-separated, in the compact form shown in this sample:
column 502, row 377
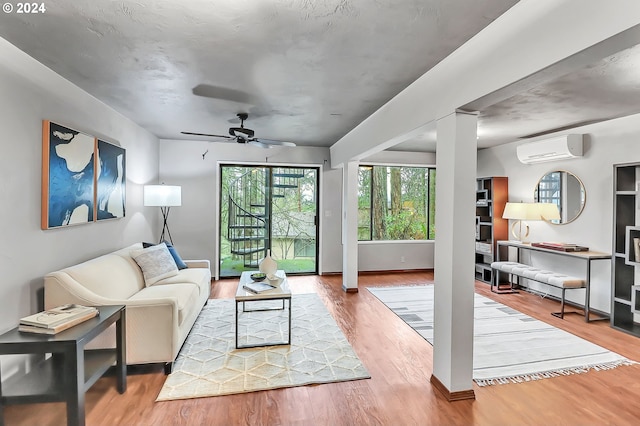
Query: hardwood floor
column 398, row 393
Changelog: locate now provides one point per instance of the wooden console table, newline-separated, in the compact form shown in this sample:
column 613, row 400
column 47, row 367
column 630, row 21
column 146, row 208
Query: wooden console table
column 71, row 370
column 586, row 256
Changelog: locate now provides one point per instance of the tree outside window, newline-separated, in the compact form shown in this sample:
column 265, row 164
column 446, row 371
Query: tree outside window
column 396, row 203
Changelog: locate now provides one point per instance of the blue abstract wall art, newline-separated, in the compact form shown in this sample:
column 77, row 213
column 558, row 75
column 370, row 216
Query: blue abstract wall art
column 83, row 178
column 111, row 181
column 67, row 176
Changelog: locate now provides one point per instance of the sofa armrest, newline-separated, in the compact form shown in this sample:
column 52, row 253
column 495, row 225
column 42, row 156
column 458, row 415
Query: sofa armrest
column 198, row 263
column 153, row 332
column 60, row 288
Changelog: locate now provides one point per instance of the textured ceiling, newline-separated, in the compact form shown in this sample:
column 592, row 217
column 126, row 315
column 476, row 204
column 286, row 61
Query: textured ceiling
column 306, row 71
column 605, row 89
column 566, row 97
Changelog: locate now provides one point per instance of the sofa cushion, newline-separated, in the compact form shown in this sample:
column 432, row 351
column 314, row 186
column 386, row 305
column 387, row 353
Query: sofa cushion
column 156, row 263
column 174, row 253
column 125, row 253
column 198, row 276
column 109, row 276
column 185, row 294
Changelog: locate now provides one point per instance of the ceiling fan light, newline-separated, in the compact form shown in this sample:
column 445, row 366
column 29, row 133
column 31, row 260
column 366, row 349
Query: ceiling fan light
column 241, row 132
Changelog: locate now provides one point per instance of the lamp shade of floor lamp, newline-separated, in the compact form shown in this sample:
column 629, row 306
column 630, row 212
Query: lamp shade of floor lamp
column 165, row 197
column 528, row 211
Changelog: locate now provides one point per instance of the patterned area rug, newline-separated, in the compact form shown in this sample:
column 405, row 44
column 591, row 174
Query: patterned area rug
column 210, row 365
column 508, row 346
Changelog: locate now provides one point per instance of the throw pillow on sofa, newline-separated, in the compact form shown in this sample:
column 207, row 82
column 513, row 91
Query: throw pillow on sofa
column 174, row 253
column 156, row 263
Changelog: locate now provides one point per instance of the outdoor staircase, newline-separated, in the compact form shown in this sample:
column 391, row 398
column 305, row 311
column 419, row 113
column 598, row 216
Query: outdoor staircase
column 249, row 209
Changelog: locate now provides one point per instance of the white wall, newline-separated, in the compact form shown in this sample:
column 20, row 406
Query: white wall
column 194, row 228
column 395, row 255
column 606, row 144
column 31, row 93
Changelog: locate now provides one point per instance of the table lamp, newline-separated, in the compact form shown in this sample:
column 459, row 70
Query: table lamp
column 528, row 211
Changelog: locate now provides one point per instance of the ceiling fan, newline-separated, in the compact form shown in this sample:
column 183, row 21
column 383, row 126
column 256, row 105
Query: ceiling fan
column 244, row 135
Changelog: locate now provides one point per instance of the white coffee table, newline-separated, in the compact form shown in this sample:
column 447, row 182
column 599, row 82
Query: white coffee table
column 281, row 292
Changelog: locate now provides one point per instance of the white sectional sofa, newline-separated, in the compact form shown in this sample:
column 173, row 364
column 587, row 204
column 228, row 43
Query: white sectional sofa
column 159, row 316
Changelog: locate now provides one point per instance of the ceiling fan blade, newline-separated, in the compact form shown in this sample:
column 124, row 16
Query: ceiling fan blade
column 271, row 142
column 207, row 134
column 224, row 93
column 256, row 142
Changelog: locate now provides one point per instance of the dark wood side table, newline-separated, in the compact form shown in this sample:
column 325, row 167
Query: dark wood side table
column 71, row 370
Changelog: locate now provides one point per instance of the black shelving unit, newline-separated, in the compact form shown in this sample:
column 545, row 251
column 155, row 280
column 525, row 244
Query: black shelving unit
column 625, row 291
column 492, row 194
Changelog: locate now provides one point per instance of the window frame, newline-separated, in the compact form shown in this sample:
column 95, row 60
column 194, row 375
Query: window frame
column 430, row 172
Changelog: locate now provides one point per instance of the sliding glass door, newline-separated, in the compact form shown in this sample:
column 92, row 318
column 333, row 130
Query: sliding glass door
column 268, row 208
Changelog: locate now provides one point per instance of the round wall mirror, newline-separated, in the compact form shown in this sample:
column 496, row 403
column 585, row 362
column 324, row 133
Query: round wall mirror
column 563, row 189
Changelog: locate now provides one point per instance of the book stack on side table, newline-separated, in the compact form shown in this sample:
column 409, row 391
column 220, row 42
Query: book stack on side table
column 560, row 246
column 57, row 319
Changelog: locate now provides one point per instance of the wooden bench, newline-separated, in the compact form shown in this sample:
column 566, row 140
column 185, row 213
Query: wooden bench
column 554, row 279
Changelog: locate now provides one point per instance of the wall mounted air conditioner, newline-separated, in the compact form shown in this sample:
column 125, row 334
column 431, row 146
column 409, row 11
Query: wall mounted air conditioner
column 556, row 148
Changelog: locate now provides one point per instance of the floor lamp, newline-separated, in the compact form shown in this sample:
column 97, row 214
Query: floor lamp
column 165, row 197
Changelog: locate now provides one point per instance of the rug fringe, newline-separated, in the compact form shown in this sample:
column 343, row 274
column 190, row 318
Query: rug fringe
column 553, row 373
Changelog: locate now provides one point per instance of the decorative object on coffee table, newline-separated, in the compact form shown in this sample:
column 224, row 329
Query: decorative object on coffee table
column 258, row 276
column 258, row 287
column 268, row 265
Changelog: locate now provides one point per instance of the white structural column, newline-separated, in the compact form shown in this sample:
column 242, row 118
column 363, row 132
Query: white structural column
column 456, row 163
column 350, row 227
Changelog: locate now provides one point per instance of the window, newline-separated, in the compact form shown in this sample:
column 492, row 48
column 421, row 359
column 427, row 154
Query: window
column 396, row 203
